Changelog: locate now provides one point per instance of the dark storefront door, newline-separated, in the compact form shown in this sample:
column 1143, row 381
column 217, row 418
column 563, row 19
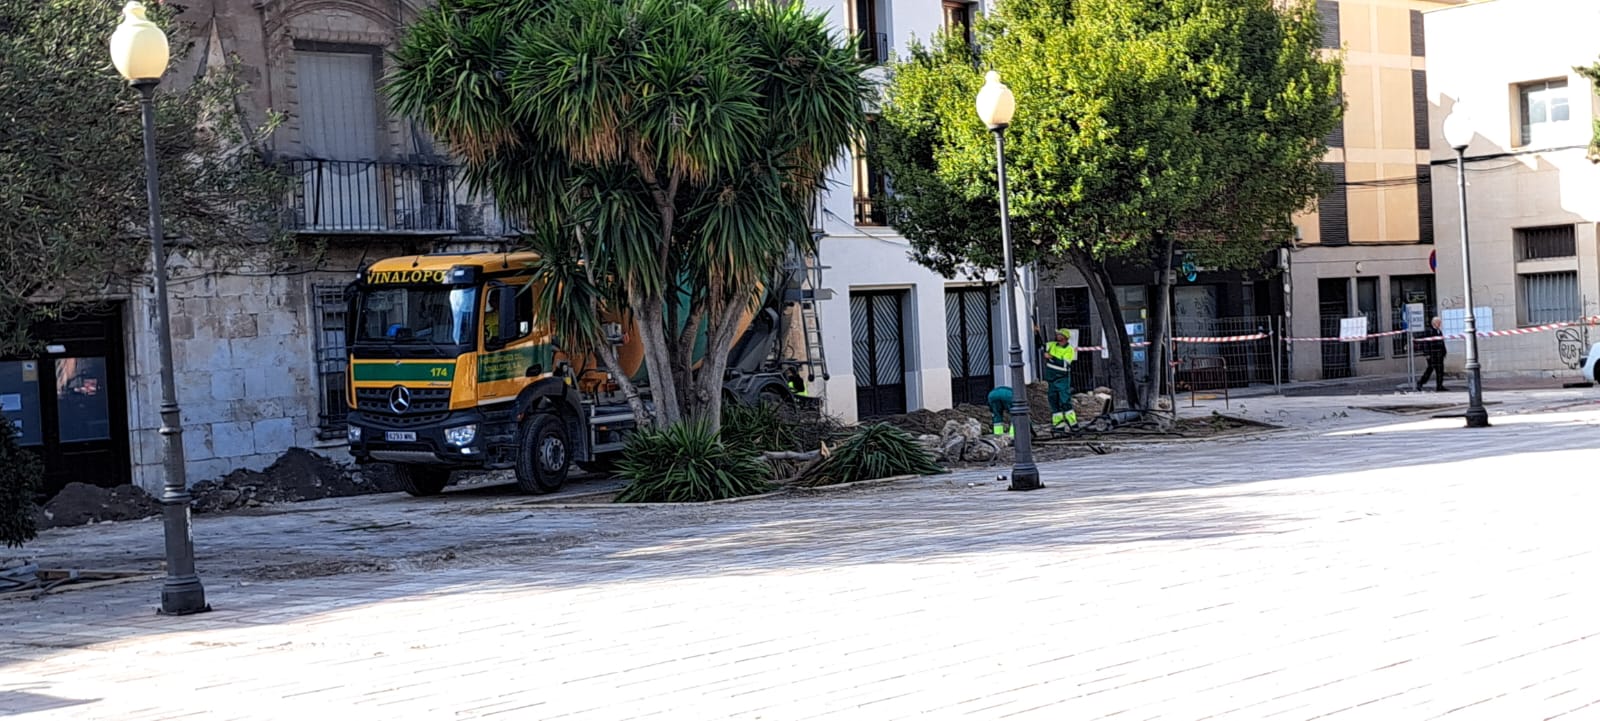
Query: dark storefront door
column 878, row 344
column 1333, row 298
column 69, row 400
column 969, row 335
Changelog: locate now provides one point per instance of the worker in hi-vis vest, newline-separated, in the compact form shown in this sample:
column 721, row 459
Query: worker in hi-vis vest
column 1000, row 410
column 1058, row 357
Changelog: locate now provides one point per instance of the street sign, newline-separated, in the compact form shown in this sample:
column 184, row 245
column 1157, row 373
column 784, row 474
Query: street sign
column 1415, row 320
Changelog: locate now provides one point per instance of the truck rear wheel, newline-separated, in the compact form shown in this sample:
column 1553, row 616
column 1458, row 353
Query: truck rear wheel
column 421, row 480
column 544, row 454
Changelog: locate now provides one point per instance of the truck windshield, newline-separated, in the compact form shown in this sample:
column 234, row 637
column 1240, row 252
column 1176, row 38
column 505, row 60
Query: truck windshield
column 408, row 315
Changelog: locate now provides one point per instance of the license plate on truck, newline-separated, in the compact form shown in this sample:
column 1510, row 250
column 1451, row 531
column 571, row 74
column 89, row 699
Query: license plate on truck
column 400, row 436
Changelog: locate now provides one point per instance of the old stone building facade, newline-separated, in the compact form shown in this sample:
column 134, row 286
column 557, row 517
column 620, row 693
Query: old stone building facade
column 258, row 346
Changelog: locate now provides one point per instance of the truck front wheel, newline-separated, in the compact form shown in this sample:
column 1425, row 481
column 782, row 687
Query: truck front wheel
column 421, row 480
column 543, row 454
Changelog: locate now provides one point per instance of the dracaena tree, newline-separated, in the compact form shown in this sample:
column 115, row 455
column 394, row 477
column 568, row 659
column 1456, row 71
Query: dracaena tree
column 1140, row 124
column 674, row 147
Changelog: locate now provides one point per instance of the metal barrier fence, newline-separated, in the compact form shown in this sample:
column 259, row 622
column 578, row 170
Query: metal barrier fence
column 1246, row 362
column 369, row 196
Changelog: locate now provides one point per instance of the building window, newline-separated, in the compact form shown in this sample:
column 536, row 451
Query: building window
column 1543, row 105
column 338, row 100
column 1556, row 241
column 871, row 185
column 958, row 19
column 1549, row 297
column 874, row 42
column 332, row 363
column 1403, row 290
column 1367, row 305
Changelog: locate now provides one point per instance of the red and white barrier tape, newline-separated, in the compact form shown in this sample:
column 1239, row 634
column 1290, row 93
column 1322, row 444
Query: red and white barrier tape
column 1191, row 339
column 1591, row 320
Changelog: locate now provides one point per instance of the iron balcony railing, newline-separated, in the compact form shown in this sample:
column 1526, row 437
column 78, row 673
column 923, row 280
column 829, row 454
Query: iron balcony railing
column 370, row 196
column 870, row 213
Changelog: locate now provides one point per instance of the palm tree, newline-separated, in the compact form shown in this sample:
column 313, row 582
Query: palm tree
column 673, row 147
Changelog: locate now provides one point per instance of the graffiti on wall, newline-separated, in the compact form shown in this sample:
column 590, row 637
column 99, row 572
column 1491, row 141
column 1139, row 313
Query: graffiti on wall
column 1570, row 344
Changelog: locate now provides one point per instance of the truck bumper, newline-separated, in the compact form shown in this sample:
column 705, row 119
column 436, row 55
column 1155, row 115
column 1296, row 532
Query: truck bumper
column 376, row 438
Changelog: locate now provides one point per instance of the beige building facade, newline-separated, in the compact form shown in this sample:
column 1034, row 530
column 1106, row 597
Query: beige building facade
column 1364, row 250
column 1533, row 198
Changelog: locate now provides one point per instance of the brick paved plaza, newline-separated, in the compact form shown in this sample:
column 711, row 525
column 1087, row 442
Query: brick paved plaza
column 1409, row 571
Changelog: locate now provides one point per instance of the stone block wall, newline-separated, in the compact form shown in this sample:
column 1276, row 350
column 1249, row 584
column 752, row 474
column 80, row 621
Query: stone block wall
column 245, row 361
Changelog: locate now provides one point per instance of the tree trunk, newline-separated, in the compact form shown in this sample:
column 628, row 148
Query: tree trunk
column 721, row 332
column 1160, row 345
column 655, row 337
column 1102, row 291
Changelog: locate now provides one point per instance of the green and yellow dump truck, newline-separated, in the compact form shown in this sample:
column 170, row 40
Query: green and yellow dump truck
column 451, row 370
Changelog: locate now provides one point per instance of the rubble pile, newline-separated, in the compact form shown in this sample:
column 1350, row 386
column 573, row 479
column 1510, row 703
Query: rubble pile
column 80, row 503
column 299, row 475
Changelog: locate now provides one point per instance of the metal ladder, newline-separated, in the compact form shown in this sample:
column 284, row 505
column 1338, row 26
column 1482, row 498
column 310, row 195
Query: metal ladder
column 816, row 360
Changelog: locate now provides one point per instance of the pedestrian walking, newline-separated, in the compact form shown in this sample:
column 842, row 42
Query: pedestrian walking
column 1432, row 341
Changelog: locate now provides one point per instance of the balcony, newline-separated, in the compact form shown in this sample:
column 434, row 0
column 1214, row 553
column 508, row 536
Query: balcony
column 370, row 197
column 870, row 213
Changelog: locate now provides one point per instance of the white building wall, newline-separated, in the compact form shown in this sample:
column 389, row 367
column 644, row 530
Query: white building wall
column 1547, row 182
column 857, row 259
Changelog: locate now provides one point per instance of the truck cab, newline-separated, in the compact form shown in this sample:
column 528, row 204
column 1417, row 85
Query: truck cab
column 450, row 370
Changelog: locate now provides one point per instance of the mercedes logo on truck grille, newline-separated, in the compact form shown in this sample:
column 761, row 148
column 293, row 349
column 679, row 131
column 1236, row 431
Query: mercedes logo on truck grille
column 400, row 399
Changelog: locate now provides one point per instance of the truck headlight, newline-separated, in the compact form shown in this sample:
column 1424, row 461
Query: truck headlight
column 461, row 435
column 353, row 434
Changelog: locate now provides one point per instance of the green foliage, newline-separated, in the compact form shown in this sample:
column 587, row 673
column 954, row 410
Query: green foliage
column 20, row 472
column 72, row 194
column 672, row 146
column 761, row 427
column 879, row 450
column 688, row 462
column 1592, row 72
column 1200, row 120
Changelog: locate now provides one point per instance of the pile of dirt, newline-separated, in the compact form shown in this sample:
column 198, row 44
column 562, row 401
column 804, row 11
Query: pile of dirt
column 922, row 422
column 299, row 475
column 80, row 503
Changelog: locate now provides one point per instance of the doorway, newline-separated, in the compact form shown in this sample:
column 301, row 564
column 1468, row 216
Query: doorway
column 877, row 332
column 969, row 336
column 69, row 399
column 1333, row 301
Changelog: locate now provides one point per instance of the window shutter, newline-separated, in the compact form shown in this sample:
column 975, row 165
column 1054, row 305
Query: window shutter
column 1418, row 43
column 1333, row 217
column 1425, row 204
column 1328, row 10
column 1419, row 107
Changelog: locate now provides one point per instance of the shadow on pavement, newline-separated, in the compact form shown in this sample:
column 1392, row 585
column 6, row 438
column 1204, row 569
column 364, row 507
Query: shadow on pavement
column 442, row 545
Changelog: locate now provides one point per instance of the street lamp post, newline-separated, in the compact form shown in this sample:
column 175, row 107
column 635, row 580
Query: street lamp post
column 139, row 50
column 1458, row 133
column 995, row 105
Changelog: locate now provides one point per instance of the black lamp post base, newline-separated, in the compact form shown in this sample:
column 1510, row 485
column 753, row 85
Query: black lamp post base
column 183, row 597
column 1477, row 418
column 1025, row 479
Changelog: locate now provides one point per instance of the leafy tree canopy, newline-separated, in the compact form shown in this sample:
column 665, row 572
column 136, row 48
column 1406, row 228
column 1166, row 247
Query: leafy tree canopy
column 674, row 147
column 72, row 192
column 1200, row 119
